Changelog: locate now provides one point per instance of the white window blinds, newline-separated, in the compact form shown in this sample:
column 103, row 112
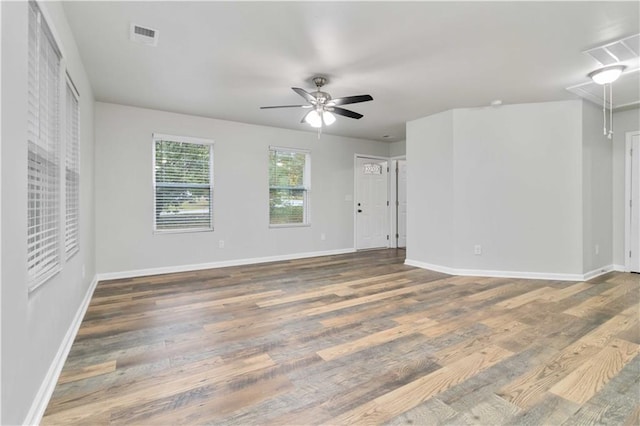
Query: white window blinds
column 289, row 182
column 43, row 194
column 183, row 183
column 72, row 171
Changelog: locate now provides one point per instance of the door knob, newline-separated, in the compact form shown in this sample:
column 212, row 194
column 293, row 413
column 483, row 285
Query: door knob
column 359, row 211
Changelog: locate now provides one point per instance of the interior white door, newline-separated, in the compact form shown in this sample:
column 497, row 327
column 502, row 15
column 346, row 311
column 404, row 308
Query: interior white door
column 402, row 203
column 372, row 210
column 634, row 205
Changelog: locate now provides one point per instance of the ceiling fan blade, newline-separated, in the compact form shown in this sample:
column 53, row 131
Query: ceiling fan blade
column 285, row 106
column 308, row 96
column 346, row 113
column 350, row 100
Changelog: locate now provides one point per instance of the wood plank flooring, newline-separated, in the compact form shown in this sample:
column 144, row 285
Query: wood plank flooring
column 353, row 339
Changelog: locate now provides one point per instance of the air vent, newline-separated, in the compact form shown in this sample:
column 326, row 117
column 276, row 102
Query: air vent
column 143, row 35
column 618, row 51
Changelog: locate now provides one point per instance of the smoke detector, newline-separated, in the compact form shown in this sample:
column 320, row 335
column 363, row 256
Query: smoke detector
column 143, row 35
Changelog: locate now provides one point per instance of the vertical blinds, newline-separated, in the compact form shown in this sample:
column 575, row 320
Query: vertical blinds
column 183, row 185
column 72, row 172
column 43, row 212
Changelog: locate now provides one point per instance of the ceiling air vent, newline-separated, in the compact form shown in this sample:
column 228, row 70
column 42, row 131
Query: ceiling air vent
column 618, row 51
column 144, row 35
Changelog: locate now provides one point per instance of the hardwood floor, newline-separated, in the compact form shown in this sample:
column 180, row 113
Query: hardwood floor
column 353, row 339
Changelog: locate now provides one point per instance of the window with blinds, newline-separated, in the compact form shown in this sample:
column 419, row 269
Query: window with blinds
column 72, row 171
column 183, row 183
column 289, row 184
column 43, row 193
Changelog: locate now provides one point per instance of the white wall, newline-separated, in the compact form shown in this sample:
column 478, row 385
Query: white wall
column 517, row 187
column 508, row 179
column 430, row 172
column 1, row 116
column 398, row 148
column 34, row 325
column 124, row 205
column 596, row 191
column 623, row 122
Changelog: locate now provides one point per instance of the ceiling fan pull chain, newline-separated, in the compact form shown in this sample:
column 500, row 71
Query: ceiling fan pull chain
column 604, row 109
column 610, row 111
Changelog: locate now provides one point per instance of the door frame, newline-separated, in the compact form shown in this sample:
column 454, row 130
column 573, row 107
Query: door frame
column 355, row 194
column 393, row 197
column 627, row 197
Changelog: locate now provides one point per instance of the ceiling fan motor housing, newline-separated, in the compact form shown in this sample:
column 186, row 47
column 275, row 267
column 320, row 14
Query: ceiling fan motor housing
column 322, row 97
column 319, row 81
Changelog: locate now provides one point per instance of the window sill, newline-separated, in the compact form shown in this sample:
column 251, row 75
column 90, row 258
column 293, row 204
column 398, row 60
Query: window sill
column 180, row 231
column 290, row 225
column 72, row 251
column 42, row 279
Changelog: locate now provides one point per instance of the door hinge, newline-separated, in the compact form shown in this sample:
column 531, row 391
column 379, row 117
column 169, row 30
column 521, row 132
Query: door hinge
column 387, row 237
column 397, row 236
column 387, row 204
column 629, row 253
column 387, row 169
column 397, row 203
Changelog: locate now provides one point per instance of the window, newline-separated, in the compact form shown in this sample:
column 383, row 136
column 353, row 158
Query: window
column 289, row 184
column 72, row 171
column 372, row 169
column 43, row 193
column 183, row 183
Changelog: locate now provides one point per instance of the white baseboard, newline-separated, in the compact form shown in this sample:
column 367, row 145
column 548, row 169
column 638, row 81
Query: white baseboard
column 431, row 267
column 212, row 265
column 597, row 272
column 620, row 268
column 505, row 274
column 40, row 402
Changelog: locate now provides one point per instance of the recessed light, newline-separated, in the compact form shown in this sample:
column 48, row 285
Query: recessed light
column 496, row 103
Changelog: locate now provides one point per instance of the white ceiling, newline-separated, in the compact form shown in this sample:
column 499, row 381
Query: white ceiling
column 226, row 59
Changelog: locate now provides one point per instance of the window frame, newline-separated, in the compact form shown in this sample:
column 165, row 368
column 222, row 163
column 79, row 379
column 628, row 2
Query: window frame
column 189, row 140
column 306, row 216
column 36, row 278
column 71, row 146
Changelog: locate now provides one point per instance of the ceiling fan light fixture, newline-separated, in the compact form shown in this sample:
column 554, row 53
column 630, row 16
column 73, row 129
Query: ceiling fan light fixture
column 314, row 119
column 328, row 118
column 607, row 75
column 323, row 107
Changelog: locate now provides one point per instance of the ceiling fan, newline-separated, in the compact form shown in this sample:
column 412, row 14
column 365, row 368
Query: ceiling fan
column 322, row 106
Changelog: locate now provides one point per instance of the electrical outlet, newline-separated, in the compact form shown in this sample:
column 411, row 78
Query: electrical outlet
column 323, row 236
column 221, row 244
column 477, row 250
